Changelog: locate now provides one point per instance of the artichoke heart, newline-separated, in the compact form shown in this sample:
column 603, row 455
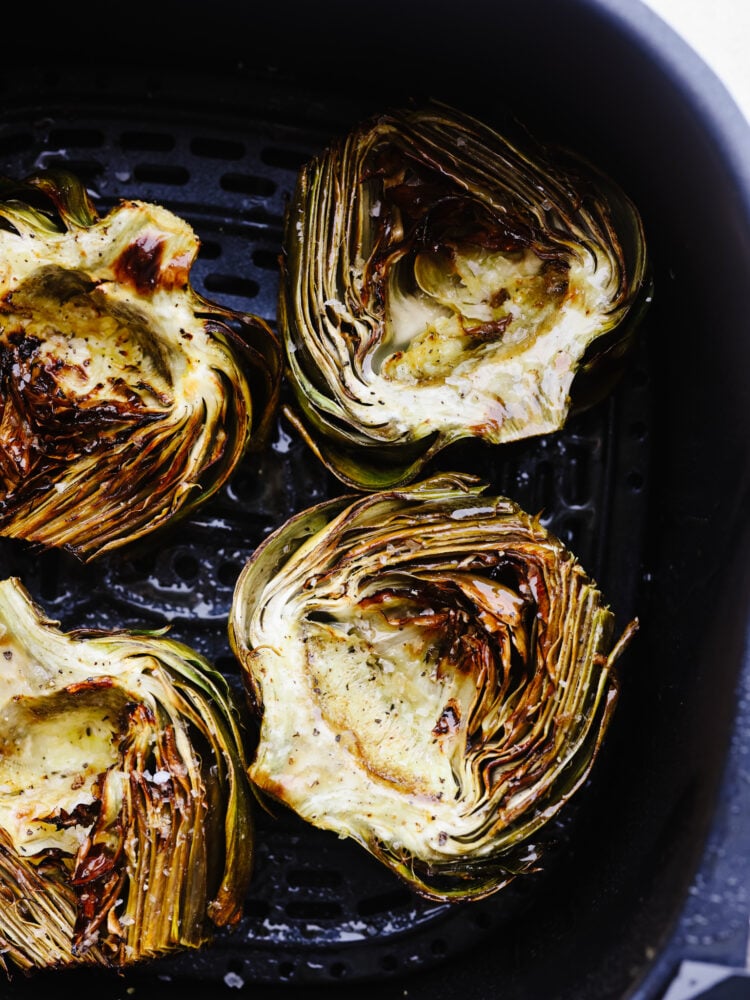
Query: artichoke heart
column 125, row 810
column 126, row 399
column 434, row 675
column 443, row 281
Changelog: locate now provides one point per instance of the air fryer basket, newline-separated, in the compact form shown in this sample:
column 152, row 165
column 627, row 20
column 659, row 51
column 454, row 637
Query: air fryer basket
column 637, row 486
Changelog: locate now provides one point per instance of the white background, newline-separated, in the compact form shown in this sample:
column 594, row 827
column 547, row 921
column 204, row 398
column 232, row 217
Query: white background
column 719, row 31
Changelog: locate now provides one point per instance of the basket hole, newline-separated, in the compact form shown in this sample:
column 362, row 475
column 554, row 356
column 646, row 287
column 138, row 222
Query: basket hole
column 217, row 149
column 267, row 260
column 247, row 184
column 383, row 903
column 313, row 878
column 210, row 249
column 313, row 909
column 227, row 573
column 186, row 566
column 287, row 159
column 84, row 138
column 158, row 173
column 286, row 970
column 635, row 482
column 231, row 284
column 147, row 142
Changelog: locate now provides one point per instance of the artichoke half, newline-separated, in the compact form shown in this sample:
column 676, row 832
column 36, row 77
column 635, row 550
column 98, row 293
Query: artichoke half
column 126, row 399
column 125, row 811
column 442, row 281
column 434, row 674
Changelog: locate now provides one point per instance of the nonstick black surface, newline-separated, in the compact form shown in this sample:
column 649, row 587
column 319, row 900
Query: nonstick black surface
column 220, row 146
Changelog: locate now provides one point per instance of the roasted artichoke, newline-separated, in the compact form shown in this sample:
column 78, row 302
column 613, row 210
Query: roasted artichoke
column 125, row 811
column 441, row 280
column 434, row 674
column 126, row 399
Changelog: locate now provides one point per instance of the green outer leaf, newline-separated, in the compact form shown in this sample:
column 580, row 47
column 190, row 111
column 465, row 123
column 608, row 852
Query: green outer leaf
column 69, row 196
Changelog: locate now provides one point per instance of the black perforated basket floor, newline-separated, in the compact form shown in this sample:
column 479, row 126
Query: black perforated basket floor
column 225, row 158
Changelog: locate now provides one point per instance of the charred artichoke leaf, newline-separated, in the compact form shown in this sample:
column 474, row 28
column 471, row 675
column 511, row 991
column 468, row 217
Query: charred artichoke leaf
column 441, row 280
column 125, row 811
column 126, row 398
column 434, row 673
